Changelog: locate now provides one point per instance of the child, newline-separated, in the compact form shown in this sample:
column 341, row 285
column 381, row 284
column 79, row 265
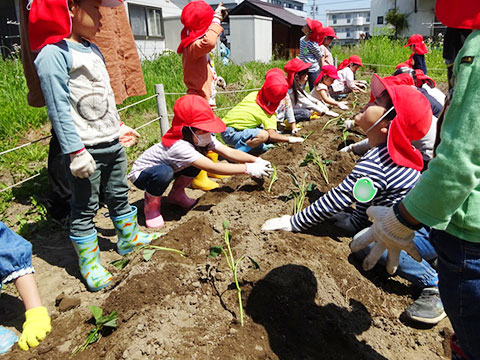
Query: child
column 346, row 73
column 257, row 109
column 310, row 51
column 180, row 155
column 81, row 107
column 16, row 266
column 303, row 104
column 329, row 34
column 327, row 76
column 417, row 58
column 286, row 115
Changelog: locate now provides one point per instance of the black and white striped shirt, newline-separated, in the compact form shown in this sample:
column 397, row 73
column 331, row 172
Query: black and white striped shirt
column 310, row 52
column 392, row 182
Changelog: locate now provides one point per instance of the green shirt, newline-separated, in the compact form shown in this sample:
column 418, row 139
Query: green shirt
column 447, row 197
column 249, row 115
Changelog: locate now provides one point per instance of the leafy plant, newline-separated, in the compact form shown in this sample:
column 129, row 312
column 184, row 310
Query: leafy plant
column 299, row 195
column 101, row 322
column 307, row 135
column 313, row 156
column 147, row 253
column 398, row 20
column 273, row 178
column 232, row 263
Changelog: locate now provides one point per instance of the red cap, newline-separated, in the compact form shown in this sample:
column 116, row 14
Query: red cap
column 194, row 111
column 407, row 64
column 354, row 59
column 328, row 31
column 317, row 30
column 462, row 15
column 328, row 70
column 49, row 21
column 422, row 79
column 273, row 91
column 196, row 18
column 293, row 66
column 417, row 40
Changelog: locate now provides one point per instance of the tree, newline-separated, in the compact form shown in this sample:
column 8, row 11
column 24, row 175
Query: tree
column 398, row 20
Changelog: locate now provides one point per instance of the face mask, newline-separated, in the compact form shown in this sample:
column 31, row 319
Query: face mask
column 202, row 140
column 378, row 121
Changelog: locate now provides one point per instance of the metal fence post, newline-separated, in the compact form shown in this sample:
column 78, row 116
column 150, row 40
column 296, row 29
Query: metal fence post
column 162, row 108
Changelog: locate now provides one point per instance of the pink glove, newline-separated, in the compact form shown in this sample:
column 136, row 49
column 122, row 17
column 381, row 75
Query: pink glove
column 128, row 136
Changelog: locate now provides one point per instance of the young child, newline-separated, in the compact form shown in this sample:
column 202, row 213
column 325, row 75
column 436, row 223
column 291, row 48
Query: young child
column 310, row 51
column 346, row 73
column 181, row 155
column 325, row 79
column 286, row 115
column 16, row 266
column 304, row 105
column 329, row 34
column 257, row 110
column 417, row 58
column 81, row 107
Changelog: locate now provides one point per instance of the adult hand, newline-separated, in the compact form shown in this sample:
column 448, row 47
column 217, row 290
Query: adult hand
column 258, row 170
column 295, row 140
column 35, row 327
column 221, row 12
column 342, row 105
column 281, row 223
column 387, row 233
column 82, row 164
column 128, row 136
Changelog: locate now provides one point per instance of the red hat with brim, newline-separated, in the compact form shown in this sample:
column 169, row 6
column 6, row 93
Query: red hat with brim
column 196, row 18
column 355, row 59
column 294, row 66
column 407, row 64
column 316, row 27
column 328, row 70
column 417, row 40
column 412, row 122
column 329, row 32
column 273, row 91
column 422, row 79
column 193, row 111
column 49, row 21
column 464, row 15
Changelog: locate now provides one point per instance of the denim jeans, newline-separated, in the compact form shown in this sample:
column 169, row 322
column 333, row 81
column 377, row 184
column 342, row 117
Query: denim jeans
column 459, row 285
column 301, row 114
column 312, row 76
column 15, row 255
column 156, row 179
column 233, row 137
column 420, row 274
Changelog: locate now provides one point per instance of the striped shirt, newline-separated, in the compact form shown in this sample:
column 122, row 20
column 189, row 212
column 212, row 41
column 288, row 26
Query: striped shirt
column 310, row 53
column 392, row 182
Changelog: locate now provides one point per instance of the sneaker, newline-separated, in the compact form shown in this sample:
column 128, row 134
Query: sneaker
column 428, row 308
column 7, row 339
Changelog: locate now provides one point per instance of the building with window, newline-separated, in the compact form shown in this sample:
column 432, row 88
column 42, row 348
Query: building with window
column 349, row 25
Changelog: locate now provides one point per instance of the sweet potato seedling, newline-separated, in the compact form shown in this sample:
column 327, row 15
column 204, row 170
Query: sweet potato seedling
column 313, row 156
column 299, row 195
column 101, row 322
column 273, row 178
column 147, row 253
column 232, row 263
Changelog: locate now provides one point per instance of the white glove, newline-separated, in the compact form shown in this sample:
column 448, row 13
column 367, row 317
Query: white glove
column 258, row 170
column 388, row 234
column 294, row 140
column 281, row 223
column 128, row 136
column 348, row 148
column 342, row 105
column 332, row 113
column 221, row 83
column 221, row 12
column 343, row 221
column 82, row 164
column 349, row 124
column 259, row 160
column 296, row 130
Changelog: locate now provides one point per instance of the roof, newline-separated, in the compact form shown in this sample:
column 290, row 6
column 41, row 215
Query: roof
column 277, row 12
column 347, row 11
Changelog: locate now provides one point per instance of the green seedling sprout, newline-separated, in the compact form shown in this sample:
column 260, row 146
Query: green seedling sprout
column 147, row 253
column 313, row 156
column 355, row 101
column 273, row 178
column 101, row 322
column 306, row 136
column 299, row 196
column 231, row 263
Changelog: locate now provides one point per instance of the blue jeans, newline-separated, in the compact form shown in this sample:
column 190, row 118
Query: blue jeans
column 15, row 255
column 420, row 274
column 156, row 179
column 459, row 285
column 236, row 138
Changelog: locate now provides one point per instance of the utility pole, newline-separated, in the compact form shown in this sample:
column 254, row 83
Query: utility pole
column 314, row 10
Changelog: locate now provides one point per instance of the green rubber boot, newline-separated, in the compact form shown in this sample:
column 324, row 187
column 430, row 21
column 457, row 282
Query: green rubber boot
column 129, row 237
column 89, row 261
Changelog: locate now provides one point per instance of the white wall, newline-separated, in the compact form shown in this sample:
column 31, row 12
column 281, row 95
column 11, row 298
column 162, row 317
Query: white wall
column 250, row 38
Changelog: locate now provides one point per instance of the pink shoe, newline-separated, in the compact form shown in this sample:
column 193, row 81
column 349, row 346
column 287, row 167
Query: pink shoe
column 151, row 208
column 177, row 195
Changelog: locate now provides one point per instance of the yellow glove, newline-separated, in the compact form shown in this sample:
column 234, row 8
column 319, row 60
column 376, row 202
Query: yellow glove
column 35, row 327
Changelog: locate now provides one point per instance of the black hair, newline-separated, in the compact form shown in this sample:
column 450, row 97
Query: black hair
column 406, row 70
column 187, row 133
column 296, row 87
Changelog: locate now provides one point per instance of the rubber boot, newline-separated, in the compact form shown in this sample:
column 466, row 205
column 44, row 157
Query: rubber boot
column 96, row 276
column 177, row 195
column 126, row 227
column 151, row 209
column 214, row 157
column 202, row 182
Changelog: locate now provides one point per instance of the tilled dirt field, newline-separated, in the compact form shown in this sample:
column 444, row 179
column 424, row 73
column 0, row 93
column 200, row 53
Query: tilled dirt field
column 309, row 300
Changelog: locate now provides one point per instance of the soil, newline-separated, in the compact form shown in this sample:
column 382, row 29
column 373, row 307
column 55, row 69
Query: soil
column 309, row 300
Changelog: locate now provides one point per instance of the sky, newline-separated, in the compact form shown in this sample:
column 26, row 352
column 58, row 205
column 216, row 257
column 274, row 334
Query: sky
column 324, row 5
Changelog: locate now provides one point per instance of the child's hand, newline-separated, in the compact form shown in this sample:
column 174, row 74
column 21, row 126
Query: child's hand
column 258, row 169
column 221, row 12
column 35, row 328
column 82, row 164
column 342, row 106
column 295, row 140
column 128, row 136
column 281, row 223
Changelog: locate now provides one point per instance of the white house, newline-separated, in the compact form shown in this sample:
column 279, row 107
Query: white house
column 421, row 15
column 349, row 25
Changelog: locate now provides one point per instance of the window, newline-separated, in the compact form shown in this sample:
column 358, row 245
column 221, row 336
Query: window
column 146, row 22
column 348, row 35
column 380, row 20
column 335, row 21
column 349, row 21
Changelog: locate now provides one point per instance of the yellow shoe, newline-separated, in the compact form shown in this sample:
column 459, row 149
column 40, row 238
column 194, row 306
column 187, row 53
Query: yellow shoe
column 214, row 157
column 315, row 115
column 202, row 182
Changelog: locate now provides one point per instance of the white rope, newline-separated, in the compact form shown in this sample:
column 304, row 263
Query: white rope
column 388, row 65
column 21, row 182
column 148, row 123
column 138, row 102
column 27, row 144
column 219, row 92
